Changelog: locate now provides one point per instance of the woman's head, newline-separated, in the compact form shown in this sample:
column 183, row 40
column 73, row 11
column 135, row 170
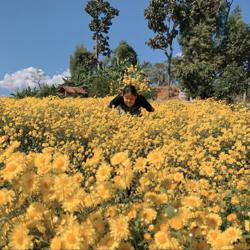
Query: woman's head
column 129, row 95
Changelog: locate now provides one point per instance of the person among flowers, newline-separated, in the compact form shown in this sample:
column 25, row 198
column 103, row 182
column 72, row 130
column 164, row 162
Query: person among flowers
column 130, row 102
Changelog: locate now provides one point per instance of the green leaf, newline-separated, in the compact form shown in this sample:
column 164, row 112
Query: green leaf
column 170, row 210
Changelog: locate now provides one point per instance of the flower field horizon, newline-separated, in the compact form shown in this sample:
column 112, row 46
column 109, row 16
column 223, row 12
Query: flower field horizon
column 75, row 174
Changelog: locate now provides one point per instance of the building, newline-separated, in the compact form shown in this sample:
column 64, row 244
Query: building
column 73, row 91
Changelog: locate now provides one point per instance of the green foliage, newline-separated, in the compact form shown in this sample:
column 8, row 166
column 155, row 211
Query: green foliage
column 102, row 14
column 157, row 73
column 105, row 80
column 82, row 61
column 124, row 53
column 232, row 83
column 197, row 78
column 215, row 50
column 47, row 90
column 28, row 92
column 43, row 91
column 99, row 83
column 197, row 68
column 163, row 18
column 115, row 74
column 236, row 42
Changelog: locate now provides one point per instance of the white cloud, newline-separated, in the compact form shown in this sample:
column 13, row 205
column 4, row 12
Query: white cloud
column 58, row 79
column 30, row 77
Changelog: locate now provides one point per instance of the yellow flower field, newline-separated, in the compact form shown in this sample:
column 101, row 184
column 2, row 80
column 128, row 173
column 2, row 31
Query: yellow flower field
column 75, row 174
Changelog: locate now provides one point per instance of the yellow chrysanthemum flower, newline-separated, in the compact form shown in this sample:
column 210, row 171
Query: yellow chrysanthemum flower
column 43, row 163
column 178, row 177
column 35, row 211
column 72, row 201
column 212, row 235
column 164, row 241
column 232, row 234
column 11, row 170
column 104, row 191
column 125, row 246
column 119, row 182
column 126, row 174
column 46, row 184
column 176, row 223
column 155, row 157
column 88, row 234
column 97, row 220
column 191, row 201
column 148, row 215
column 97, row 157
column 213, row 221
column 60, row 163
column 71, row 237
column 119, row 228
column 103, row 172
column 6, row 196
column 118, row 158
column 221, row 243
column 56, row 244
column 140, row 164
column 231, row 217
column 29, row 182
column 107, row 242
column 19, row 238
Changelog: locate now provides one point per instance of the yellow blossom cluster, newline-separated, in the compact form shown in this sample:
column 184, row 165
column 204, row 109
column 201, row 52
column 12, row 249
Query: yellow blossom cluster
column 75, row 174
column 135, row 76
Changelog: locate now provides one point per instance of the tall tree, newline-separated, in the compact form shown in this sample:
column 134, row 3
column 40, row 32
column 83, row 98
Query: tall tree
column 236, row 44
column 156, row 73
column 124, row 53
column 201, row 37
column 164, row 18
column 102, row 13
column 234, row 74
column 82, row 63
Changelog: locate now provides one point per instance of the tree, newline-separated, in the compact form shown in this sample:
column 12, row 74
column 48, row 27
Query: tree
column 157, row 73
column 164, row 18
column 201, row 37
column 43, row 91
column 99, row 82
column 236, row 44
column 82, row 62
column 102, row 14
column 124, row 53
column 215, row 50
column 234, row 74
column 232, row 83
column 28, row 92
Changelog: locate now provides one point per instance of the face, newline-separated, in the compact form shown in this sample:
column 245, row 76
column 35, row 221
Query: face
column 129, row 99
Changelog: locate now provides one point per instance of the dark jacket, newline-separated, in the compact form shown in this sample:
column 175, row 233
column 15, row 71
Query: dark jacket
column 135, row 109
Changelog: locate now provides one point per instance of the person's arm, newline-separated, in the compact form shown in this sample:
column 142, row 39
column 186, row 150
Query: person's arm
column 145, row 104
column 115, row 102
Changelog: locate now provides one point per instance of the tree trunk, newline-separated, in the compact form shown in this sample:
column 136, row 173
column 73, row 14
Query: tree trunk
column 97, row 51
column 169, row 56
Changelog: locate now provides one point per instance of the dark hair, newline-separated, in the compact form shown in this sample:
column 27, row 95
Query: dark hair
column 129, row 89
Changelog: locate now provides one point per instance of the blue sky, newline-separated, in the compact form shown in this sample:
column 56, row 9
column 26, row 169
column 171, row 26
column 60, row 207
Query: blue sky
column 42, row 34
